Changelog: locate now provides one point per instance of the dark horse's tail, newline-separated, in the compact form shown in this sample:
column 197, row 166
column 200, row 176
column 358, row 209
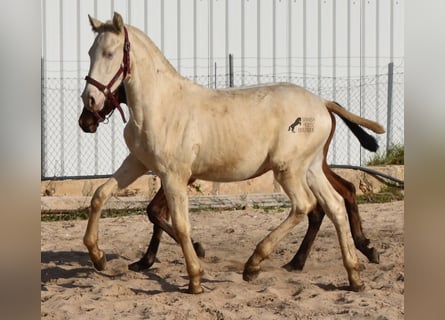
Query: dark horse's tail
column 366, row 140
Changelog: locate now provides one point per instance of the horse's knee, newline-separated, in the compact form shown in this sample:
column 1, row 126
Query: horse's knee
column 100, row 196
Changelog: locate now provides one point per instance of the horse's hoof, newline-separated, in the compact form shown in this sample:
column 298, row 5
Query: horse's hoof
column 251, row 273
column 357, row 287
column 199, row 249
column 195, row 290
column 293, row 266
column 101, row 264
column 140, row 265
column 374, row 256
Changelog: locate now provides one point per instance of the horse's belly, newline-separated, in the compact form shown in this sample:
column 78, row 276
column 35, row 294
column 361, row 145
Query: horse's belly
column 230, row 171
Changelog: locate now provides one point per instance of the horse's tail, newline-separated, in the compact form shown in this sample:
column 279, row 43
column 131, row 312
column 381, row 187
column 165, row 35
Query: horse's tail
column 354, row 122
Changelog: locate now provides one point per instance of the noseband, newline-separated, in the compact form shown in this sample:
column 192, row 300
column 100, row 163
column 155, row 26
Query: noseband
column 106, row 89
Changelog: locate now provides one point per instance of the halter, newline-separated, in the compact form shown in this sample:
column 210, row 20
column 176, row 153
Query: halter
column 106, row 89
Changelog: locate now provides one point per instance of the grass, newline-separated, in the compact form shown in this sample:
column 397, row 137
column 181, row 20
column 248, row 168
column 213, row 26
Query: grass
column 388, row 193
column 393, row 156
column 83, row 214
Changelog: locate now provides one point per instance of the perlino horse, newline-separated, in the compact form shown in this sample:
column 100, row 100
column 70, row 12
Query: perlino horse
column 182, row 131
column 158, row 213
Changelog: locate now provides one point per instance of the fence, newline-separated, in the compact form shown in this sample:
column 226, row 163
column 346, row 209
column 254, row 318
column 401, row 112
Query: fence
column 338, row 49
column 69, row 152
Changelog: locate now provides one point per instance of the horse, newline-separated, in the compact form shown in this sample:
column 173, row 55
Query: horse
column 158, row 214
column 183, row 131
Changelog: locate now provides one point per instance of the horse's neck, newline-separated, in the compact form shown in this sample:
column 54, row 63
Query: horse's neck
column 152, row 75
column 152, row 60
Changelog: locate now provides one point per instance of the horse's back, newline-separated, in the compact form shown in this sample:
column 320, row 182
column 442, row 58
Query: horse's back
column 244, row 132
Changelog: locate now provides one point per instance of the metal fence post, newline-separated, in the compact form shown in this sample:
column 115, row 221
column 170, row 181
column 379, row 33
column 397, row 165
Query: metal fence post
column 42, row 120
column 231, row 70
column 389, row 105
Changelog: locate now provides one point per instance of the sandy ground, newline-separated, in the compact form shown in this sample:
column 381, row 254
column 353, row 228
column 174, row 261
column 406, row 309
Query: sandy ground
column 72, row 289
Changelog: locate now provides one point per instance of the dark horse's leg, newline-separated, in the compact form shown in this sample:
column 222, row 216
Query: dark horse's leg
column 347, row 191
column 158, row 214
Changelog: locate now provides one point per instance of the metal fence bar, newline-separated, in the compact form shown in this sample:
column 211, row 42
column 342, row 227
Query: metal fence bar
column 389, row 105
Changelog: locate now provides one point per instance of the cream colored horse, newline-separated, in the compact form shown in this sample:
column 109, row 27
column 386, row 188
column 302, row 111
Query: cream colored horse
column 183, row 131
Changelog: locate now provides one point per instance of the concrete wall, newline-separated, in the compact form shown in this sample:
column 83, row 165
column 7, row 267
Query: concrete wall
column 148, row 185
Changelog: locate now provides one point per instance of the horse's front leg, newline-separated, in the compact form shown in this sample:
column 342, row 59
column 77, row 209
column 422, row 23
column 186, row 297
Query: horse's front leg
column 176, row 195
column 129, row 171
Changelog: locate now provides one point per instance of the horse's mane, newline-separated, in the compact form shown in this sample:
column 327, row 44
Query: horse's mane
column 154, row 50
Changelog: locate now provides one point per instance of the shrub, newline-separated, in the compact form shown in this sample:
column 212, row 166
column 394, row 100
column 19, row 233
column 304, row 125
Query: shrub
column 394, row 155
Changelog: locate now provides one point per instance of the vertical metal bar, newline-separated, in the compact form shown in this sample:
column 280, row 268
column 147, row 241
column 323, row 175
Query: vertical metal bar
column 258, row 41
column 231, row 70
column 195, row 40
column 334, row 70
column 362, row 62
column 210, row 43
column 62, row 111
column 348, row 95
column 43, row 141
column 391, row 32
column 243, row 42
column 227, row 37
column 334, row 51
column 304, row 44
column 319, row 48
column 96, row 136
column 362, row 54
column 274, row 41
column 389, row 105
column 178, row 36
column 146, row 17
column 42, row 119
column 162, row 26
column 377, row 59
column 289, row 40
column 113, row 120
column 79, row 104
column 214, row 76
column 128, row 11
column 44, row 28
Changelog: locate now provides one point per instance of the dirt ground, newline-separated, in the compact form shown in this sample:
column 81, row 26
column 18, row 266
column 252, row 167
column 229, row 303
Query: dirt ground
column 72, row 289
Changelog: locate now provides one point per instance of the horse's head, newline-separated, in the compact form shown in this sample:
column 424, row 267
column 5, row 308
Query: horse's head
column 109, row 63
column 89, row 121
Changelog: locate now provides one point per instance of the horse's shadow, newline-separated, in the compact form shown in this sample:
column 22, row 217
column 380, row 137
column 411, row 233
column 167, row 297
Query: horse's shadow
column 62, row 259
column 59, row 268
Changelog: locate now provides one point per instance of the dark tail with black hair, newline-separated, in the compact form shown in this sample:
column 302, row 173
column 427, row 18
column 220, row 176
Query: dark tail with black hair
column 366, row 140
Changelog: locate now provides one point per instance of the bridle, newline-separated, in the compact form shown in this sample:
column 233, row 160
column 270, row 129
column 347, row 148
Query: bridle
column 106, row 89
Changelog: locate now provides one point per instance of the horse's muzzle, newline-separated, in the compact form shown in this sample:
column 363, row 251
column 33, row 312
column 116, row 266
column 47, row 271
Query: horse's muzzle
column 88, row 121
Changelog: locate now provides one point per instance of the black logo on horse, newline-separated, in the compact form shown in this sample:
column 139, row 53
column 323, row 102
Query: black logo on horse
column 297, row 122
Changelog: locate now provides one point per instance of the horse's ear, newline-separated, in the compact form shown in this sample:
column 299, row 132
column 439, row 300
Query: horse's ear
column 118, row 22
column 95, row 24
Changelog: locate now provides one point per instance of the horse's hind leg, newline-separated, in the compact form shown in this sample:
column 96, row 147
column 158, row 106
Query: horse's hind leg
column 158, row 214
column 315, row 218
column 333, row 205
column 302, row 201
column 347, row 190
